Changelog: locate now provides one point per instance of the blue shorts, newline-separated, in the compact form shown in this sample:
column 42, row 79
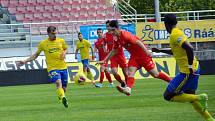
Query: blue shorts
column 183, row 82
column 85, row 63
column 59, row 75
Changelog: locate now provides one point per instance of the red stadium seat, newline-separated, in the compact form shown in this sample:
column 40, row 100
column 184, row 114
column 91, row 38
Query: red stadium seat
column 59, row 2
column 68, row 2
column 29, row 16
column 48, row 8
column 32, row 3
column 66, row 8
column 40, row 9
column 19, row 17
column 23, row 2
column 12, row 10
column 57, row 8
column 21, row 9
column 38, row 16
column 56, row 16
column 100, row 16
column 47, row 15
column 65, row 15
column 50, row 2
column 5, row 3
column 94, row 2
column 41, row 2
column 13, row 3
column 30, row 9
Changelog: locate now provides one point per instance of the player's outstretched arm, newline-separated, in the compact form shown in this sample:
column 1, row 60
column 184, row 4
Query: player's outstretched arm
column 164, row 50
column 143, row 47
column 111, row 54
column 32, row 57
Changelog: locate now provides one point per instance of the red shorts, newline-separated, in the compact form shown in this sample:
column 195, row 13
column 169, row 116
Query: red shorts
column 105, row 64
column 118, row 60
column 143, row 61
column 101, row 58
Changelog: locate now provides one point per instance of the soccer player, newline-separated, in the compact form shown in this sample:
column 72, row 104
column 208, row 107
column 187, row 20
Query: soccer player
column 118, row 59
column 102, row 52
column 182, row 88
column 55, row 51
column 83, row 45
column 139, row 56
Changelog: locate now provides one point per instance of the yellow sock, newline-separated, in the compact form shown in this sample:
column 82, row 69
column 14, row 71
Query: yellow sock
column 60, row 93
column 197, row 107
column 85, row 73
column 90, row 75
column 185, row 98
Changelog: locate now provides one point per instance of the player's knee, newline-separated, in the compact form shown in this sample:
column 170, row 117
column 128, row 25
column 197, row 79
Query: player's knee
column 155, row 75
column 168, row 96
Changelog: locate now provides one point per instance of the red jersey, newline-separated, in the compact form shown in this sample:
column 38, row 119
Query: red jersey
column 109, row 40
column 128, row 41
column 100, row 46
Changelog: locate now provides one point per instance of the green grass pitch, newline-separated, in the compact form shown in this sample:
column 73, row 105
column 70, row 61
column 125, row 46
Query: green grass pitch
column 86, row 103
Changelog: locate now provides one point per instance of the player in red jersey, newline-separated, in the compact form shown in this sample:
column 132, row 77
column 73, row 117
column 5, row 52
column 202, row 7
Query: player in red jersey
column 139, row 56
column 102, row 52
column 118, row 59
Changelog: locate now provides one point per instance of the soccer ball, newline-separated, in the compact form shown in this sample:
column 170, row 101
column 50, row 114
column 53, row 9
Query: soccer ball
column 81, row 80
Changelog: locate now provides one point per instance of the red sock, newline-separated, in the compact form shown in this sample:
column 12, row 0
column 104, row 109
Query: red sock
column 118, row 78
column 102, row 75
column 108, row 77
column 130, row 81
column 164, row 77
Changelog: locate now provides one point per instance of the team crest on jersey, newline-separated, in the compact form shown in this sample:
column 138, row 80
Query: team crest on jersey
column 179, row 39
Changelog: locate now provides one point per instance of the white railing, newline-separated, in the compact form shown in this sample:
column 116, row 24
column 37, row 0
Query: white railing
column 22, row 35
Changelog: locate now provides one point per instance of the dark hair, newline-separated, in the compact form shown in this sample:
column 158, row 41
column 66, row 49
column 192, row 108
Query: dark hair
column 107, row 22
column 114, row 23
column 79, row 33
column 51, row 29
column 99, row 29
column 170, row 19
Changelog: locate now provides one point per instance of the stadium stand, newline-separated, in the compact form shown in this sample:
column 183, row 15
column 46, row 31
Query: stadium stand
column 36, row 11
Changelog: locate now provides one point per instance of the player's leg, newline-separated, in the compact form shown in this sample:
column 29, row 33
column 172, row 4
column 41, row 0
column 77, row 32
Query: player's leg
column 114, row 71
column 199, row 106
column 123, row 65
column 64, row 80
column 87, row 70
column 56, row 78
column 160, row 75
column 107, row 74
column 175, row 89
column 182, row 83
column 101, row 79
column 84, row 63
column 130, row 81
column 152, row 70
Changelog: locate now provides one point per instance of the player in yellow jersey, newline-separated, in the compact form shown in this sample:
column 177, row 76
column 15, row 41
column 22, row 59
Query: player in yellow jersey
column 83, row 45
column 55, row 51
column 183, row 87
